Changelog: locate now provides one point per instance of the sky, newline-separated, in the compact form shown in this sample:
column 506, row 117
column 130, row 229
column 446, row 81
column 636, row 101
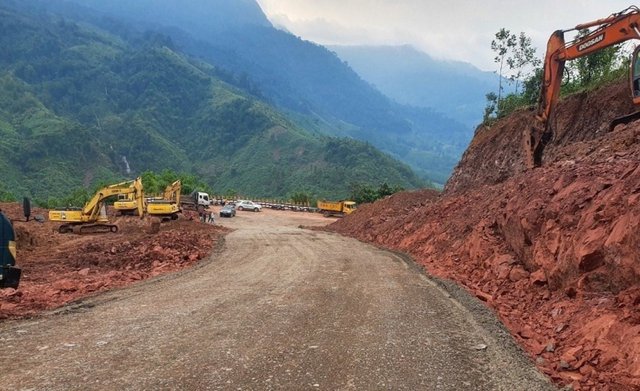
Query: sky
column 450, row 29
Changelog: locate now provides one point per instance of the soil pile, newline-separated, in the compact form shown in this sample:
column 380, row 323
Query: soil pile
column 60, row 268
column 555, row 251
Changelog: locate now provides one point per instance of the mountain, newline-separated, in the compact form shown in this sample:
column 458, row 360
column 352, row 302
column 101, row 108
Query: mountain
column 311, row 84
column 200, row 17
column 456, row 89
column 81, row 106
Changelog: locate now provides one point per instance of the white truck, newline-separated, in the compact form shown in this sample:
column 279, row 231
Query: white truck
column 195, row 201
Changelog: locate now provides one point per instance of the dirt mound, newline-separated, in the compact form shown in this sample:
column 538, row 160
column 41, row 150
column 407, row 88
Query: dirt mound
column 60, row 268
column 555, row 251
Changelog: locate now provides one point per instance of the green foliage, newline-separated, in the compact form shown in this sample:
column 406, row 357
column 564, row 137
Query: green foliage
column 363, row 193
column 77, row 199
column 300, row 197
column 6, row 196
column 584, row 73
column 155, row 183
column 522, row 59
column 80, row 108
column 585, row 70
column 490, row 109
column 519, row 55
column 503, row 43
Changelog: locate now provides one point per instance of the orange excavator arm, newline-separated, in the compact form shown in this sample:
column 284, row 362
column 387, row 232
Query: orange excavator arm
column 610, row 31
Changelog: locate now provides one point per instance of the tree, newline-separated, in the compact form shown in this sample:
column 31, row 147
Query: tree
column 492, row 105
column 524, row 58
column 364, row 193
column 501, row 45
column 301, row 197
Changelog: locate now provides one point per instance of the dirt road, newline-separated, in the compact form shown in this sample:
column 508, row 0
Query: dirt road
column 278, row 307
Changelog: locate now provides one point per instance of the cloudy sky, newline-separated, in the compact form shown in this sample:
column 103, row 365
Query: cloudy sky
column 448, row 29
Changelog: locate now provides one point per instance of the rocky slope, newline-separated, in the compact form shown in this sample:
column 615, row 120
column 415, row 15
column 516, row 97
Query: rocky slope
column 555, row 250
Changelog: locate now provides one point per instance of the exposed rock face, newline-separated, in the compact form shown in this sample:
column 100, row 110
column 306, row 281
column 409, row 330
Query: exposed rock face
column 555, row 250
column 495, row 153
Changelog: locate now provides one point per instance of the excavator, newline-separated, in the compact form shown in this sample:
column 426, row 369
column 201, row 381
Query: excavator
column 9, row 273
column 612, row 30
column 92, row 218
column 169, row 205
column 126, row 205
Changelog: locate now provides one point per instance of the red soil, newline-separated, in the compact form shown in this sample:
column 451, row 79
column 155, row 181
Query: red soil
column 554, row 251
column 60, row 268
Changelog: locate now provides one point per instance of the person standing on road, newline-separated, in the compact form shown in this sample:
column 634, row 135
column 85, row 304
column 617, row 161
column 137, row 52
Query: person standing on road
column 211, row 216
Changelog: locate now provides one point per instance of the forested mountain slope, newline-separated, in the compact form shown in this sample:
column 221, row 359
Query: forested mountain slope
column 80, row 105
column 309, row 82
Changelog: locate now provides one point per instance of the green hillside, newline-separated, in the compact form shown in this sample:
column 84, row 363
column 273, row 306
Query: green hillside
column 79, row 106
column 305, row 80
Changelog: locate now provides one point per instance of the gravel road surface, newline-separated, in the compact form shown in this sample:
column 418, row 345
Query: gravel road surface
column 276, row 308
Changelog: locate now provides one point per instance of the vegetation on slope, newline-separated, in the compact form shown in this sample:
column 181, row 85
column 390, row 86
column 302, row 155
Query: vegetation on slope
column 305, row 79
column 80, row 106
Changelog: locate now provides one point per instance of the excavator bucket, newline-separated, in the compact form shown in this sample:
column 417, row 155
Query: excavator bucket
column 535, row 138
column 625, row 119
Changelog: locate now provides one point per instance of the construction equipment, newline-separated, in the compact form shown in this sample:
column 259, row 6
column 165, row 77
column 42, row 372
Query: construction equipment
column 92, row 218
column 197, row 200
column 169, row 204
column 617, row 28
column 126, row 205
column 336, row 208
column 9, row 273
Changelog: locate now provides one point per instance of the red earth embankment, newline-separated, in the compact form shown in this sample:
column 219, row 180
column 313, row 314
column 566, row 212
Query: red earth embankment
column 61, row 268
column 555, row 250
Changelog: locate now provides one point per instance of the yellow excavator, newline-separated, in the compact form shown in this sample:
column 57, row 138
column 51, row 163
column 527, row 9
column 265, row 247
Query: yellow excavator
column 126, row 205
column 612, row 30
column 92, row 218
column 169, row 205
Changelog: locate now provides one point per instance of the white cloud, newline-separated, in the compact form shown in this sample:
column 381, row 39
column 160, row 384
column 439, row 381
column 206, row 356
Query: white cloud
column 452, row 29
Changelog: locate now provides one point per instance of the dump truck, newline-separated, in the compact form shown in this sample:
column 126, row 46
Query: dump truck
column 336, row 208
column 195, row 201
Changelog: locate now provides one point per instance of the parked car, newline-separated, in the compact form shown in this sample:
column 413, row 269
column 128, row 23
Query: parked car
column 227, row 211
column 248, row 205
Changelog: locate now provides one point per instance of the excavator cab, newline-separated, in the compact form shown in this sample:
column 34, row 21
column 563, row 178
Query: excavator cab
column 635, row 75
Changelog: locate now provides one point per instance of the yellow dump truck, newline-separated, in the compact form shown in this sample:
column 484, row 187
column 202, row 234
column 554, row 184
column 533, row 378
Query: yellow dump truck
column 336, row 208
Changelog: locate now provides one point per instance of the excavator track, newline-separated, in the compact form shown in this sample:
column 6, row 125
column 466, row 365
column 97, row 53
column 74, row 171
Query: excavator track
column 85, row 229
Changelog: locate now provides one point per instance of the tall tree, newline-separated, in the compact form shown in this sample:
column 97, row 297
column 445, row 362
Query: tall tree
column 504, row 42
column 523, row 59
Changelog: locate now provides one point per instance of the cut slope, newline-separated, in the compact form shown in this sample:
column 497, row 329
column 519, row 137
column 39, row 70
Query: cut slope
column 555, row 251
column 495, row 153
